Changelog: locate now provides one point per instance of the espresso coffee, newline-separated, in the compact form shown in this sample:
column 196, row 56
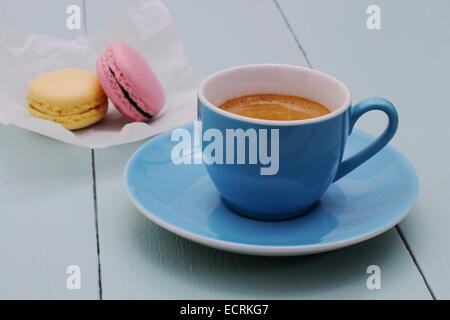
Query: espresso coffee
column 275, row 107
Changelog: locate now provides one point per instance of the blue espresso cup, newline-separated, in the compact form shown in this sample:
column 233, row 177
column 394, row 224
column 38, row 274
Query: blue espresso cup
column 273, row 170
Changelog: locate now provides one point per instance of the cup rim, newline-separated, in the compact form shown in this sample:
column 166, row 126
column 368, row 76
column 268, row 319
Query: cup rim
column 338, row 111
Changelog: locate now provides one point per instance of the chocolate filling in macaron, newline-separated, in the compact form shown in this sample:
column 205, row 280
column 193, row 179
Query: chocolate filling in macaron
column 130, row 100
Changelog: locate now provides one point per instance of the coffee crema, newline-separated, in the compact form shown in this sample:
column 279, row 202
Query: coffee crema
column 275, row 107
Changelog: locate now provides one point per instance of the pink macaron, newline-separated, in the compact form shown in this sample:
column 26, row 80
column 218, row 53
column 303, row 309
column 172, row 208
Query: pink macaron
column 130, row 83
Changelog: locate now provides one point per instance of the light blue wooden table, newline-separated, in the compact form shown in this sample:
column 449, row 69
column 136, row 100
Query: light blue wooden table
column 62, row 205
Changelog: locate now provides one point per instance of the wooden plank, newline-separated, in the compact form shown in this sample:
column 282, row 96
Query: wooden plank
column 43, row 16
column 47, row 220
column 214, row 36
column 142, row 261
column 407, row 62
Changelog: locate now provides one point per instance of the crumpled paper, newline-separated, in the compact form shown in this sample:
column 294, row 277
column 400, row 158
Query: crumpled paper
column 147, row 27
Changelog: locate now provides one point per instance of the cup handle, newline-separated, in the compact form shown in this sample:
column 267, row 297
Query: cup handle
column 362, row 156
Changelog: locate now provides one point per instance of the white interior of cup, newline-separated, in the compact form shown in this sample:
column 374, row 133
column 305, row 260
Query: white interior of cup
column 276, row 79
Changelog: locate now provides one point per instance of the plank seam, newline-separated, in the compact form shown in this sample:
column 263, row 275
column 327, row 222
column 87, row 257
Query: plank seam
column 94, row 186
column 97, row 235
column 83, row 2
column 291, row 30
column 402, row 237
column 413, row 257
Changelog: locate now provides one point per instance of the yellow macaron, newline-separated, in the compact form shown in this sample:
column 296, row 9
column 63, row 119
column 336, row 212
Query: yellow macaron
column 71, row 97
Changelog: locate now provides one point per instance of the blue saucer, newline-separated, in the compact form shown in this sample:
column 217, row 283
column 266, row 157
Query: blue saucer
column 182, row 199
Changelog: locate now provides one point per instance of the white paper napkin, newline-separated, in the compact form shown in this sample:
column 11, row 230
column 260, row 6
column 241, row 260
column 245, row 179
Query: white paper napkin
column 147, row 27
